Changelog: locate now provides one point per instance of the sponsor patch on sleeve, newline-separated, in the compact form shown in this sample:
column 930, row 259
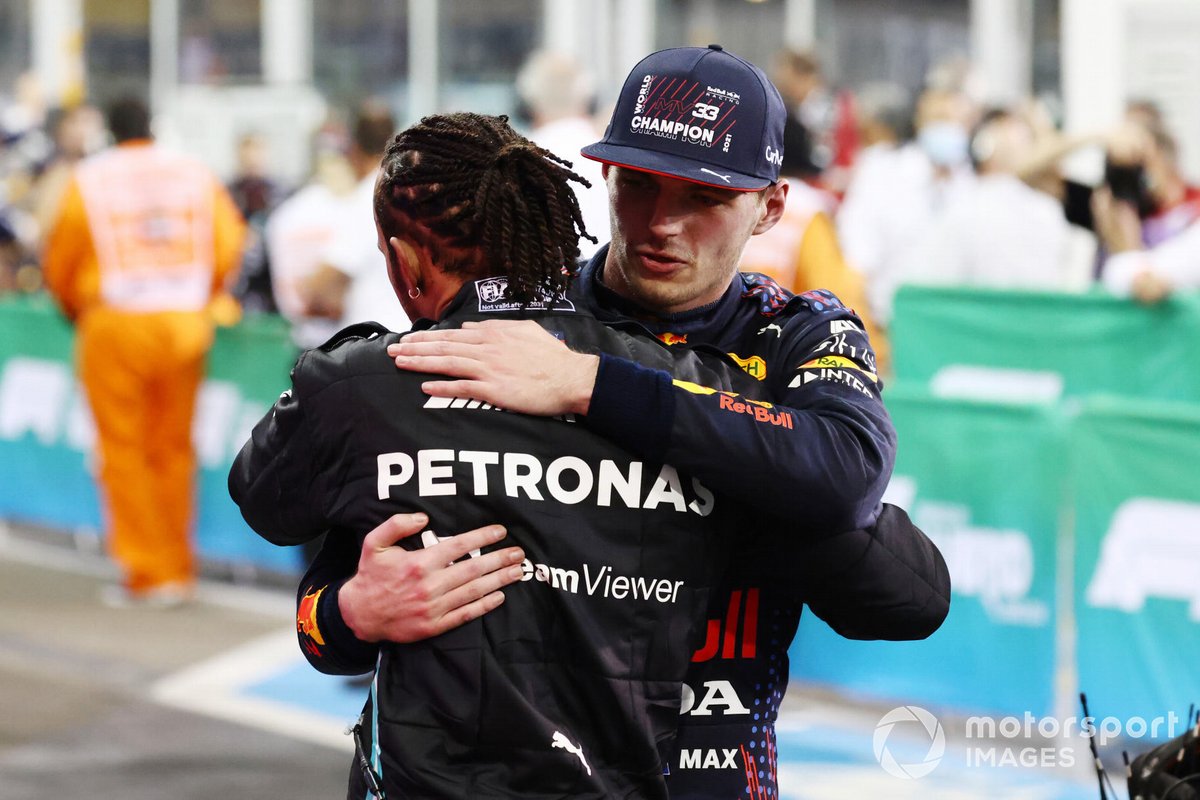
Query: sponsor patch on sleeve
column 754, row 366
column 837, row 369
column 306, row 621
column 759, row 410
column 838, row 362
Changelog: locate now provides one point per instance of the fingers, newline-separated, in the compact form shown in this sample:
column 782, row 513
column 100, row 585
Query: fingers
column 437, row 347
column 487, row 572
column 469, row 335
column 466, row 581
column 395, row 528
column 500, row 324
column 455, row 547
column 454, row 359
column 464, row 614
column 453, row 366
column 481, row 332
column 462, row 388
column 475, row 586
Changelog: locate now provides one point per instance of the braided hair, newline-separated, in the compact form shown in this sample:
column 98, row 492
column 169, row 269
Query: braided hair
column 484, row 200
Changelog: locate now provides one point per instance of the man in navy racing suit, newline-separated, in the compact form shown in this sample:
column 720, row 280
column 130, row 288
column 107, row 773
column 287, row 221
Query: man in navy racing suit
column 818, row 460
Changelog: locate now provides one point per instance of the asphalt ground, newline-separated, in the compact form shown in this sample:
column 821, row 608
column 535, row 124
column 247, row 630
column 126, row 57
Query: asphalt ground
column 214, row 701
column 94, row 701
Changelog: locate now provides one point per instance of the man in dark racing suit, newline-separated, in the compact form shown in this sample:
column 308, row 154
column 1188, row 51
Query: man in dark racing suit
column 831, row 445
column 573, row 686
column 568, row 689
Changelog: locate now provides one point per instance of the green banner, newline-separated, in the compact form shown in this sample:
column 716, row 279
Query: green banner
column 1028, row 342
column 1137, row 557
column 984, row 481
column 47, row 438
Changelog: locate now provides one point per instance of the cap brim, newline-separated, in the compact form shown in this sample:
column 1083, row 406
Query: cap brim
column 672, row 166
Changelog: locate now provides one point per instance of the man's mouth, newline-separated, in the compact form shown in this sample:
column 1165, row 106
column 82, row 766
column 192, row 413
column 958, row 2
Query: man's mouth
column 658, row 262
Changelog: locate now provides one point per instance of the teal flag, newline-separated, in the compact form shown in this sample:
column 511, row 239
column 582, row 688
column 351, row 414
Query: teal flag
column 1137, row 558
column 984, row 481
column 1031, row 342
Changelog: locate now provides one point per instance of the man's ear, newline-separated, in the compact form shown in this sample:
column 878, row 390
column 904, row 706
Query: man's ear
column 407, row 260
column 774, row 199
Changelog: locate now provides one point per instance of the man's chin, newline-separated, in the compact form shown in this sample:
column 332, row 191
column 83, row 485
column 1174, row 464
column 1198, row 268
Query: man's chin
column 659, row 294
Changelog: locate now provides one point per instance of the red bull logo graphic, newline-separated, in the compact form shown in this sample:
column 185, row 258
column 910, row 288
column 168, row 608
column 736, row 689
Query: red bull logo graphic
column 760, row 411
column 729, row 401
column 673, row 338
column 306, row 620
column 722, row 634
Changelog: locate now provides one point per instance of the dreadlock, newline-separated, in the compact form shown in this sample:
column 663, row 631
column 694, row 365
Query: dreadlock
column 485, row 200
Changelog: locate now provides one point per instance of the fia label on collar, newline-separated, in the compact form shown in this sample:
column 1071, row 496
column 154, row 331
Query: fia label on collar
column 494, row 299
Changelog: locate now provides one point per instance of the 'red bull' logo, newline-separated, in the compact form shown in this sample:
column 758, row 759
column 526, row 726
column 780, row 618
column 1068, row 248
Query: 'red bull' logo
column 723, row 638
column 673, row 338
column 306, row 620
column 760, row 411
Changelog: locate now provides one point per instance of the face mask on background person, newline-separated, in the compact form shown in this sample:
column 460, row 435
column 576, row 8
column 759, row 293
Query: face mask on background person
column 944, row 142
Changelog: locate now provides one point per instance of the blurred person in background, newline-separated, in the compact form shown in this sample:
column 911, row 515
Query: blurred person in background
column 1000, row 232
column 10, row 252
column 256, row 195
column 1144, row 205
column 304, row 226
column 348, row 285
column 25, row 148
column 822, row 126
column 896, row 198
column 884, row 115
column 1148, row 274
column 797, row 75
column 23, row 127
column 145, row 240
column 559, row 96
column 1043, row 171
column 1142, row 172
column 78, row 132
column 801, row 251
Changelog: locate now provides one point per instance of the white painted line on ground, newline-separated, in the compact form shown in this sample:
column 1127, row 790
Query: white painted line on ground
column 214, row 687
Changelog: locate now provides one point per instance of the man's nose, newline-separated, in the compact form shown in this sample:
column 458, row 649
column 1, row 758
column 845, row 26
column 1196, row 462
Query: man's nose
column 666, row 218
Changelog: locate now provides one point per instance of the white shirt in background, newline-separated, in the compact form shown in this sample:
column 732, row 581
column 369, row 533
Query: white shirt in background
column 893, row 202
column 565, row 138
column 298, row 233
column 1000, row 233
column 1177, row 260
column 354, row 251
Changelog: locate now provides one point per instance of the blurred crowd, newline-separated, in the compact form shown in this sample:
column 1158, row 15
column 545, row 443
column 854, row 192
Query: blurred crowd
column 888, row 187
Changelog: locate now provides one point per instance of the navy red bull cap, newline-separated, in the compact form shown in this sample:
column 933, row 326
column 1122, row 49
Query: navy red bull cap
column 697, row 113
